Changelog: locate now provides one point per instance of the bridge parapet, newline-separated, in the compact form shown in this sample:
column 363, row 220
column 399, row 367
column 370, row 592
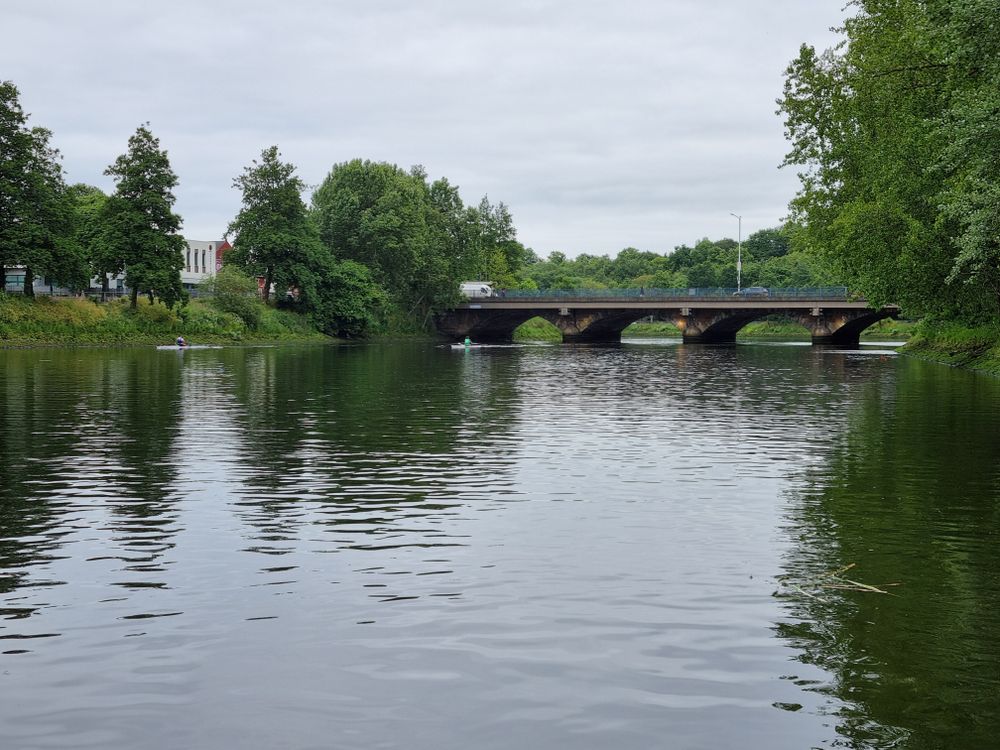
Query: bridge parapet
column 691, row 294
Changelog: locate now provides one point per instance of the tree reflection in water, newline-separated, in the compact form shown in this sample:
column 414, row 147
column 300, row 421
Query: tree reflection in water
column 910, row 495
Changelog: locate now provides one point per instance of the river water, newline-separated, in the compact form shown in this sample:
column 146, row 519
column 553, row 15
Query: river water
column 405, row 546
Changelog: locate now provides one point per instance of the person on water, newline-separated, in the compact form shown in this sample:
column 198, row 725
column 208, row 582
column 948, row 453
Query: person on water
column 181, row 342
column 468, row 341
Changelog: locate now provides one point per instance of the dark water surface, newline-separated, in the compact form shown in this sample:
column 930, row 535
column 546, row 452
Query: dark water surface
column 402, row 546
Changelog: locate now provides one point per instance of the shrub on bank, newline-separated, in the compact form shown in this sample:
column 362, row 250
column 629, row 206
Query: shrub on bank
column 26, row 322
column 232, row 291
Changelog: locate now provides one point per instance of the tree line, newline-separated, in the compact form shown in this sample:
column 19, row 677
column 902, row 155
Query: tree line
column 377, row 246
column 769, row 259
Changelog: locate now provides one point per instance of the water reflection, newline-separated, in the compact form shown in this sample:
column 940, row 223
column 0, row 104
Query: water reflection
column 377, row 448
column 909, row 495
column 551, row 546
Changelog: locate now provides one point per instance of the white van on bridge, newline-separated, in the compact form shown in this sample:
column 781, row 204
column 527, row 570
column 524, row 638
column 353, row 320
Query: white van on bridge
column 474, row 289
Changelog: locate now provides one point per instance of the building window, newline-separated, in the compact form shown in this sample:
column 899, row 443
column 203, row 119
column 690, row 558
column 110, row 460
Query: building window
column 187, row 266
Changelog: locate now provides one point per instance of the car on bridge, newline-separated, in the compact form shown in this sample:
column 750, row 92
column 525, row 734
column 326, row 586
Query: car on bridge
column 753, row 291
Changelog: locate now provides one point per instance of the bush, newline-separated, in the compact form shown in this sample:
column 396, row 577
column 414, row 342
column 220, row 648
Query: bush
column 234, row 292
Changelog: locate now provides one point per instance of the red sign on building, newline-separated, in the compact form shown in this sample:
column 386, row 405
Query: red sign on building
column 222, row 248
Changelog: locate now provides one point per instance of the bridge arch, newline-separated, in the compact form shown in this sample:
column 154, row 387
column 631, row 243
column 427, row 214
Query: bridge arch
column 837, row 327
column 487, row 326
column 593, row 326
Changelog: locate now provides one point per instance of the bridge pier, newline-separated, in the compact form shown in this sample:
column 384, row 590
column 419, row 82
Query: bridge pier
column 841, row 327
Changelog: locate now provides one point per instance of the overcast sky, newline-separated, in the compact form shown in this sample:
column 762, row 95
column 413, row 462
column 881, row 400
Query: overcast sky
column 601, row 125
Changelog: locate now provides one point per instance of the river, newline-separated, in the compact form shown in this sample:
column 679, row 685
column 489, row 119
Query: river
column 405, row 546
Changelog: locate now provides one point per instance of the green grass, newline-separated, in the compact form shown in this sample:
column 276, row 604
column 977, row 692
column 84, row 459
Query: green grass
column 890, row 330
column 537, row 329
column 45, row 321
column 658, row 329
column 974, row 348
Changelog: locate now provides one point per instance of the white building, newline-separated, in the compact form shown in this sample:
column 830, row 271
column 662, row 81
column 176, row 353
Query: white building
column 202, row 258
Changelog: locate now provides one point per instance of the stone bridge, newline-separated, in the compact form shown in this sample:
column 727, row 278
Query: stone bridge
column 704, row 318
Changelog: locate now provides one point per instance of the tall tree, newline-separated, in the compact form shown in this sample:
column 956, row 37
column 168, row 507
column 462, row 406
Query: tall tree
column 970, row 162
column 141, row 227
column 416, row 239
column 274, row 236
column 84, row 244
column 94, row 235
column 376, row 214
column 891, row 127
column 34, row 217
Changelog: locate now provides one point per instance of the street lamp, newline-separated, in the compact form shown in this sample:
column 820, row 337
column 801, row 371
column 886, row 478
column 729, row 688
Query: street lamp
column 739, row 250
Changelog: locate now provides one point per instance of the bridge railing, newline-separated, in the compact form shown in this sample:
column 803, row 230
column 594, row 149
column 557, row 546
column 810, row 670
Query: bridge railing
column 838, row 293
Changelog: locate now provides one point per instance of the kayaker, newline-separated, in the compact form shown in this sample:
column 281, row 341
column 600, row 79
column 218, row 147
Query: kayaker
column 181, row 342
column 468, row 341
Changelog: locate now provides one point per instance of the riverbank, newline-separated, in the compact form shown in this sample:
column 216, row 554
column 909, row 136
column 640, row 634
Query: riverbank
column 957, row 345
column 45, row 322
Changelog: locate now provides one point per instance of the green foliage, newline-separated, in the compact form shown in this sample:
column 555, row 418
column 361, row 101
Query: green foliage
column 657, row 329
column 952, row 343
column 34, row 208
column 896, row 135
column 85, row 240
column 349, row 303
column 768, row 260
column 233, row 291
column 383, row 218
column 139, row 223
column 765, row 244
column 273, row 235
column 417, row 240
column 537, row 329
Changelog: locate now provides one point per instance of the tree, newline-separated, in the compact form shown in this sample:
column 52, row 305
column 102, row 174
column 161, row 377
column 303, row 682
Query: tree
column 34, row 211
column 896, row 134
column 971, row 129
column 274, row 237
column 766, row 243
column 382, row 217
column 86, row 242
column 141, row 227
column 350, row 303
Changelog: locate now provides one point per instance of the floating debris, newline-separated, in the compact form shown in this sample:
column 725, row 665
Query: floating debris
column 833, row 580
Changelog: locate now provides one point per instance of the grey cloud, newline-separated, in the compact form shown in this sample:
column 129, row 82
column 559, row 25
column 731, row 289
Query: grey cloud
column 601, row 125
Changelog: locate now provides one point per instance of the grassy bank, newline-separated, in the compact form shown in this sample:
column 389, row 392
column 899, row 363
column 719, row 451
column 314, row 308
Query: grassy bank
column 961, row 346
column 537, row 329
column 44, row 321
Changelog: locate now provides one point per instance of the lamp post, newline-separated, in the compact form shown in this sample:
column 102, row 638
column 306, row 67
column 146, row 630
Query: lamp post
column 739, row 250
